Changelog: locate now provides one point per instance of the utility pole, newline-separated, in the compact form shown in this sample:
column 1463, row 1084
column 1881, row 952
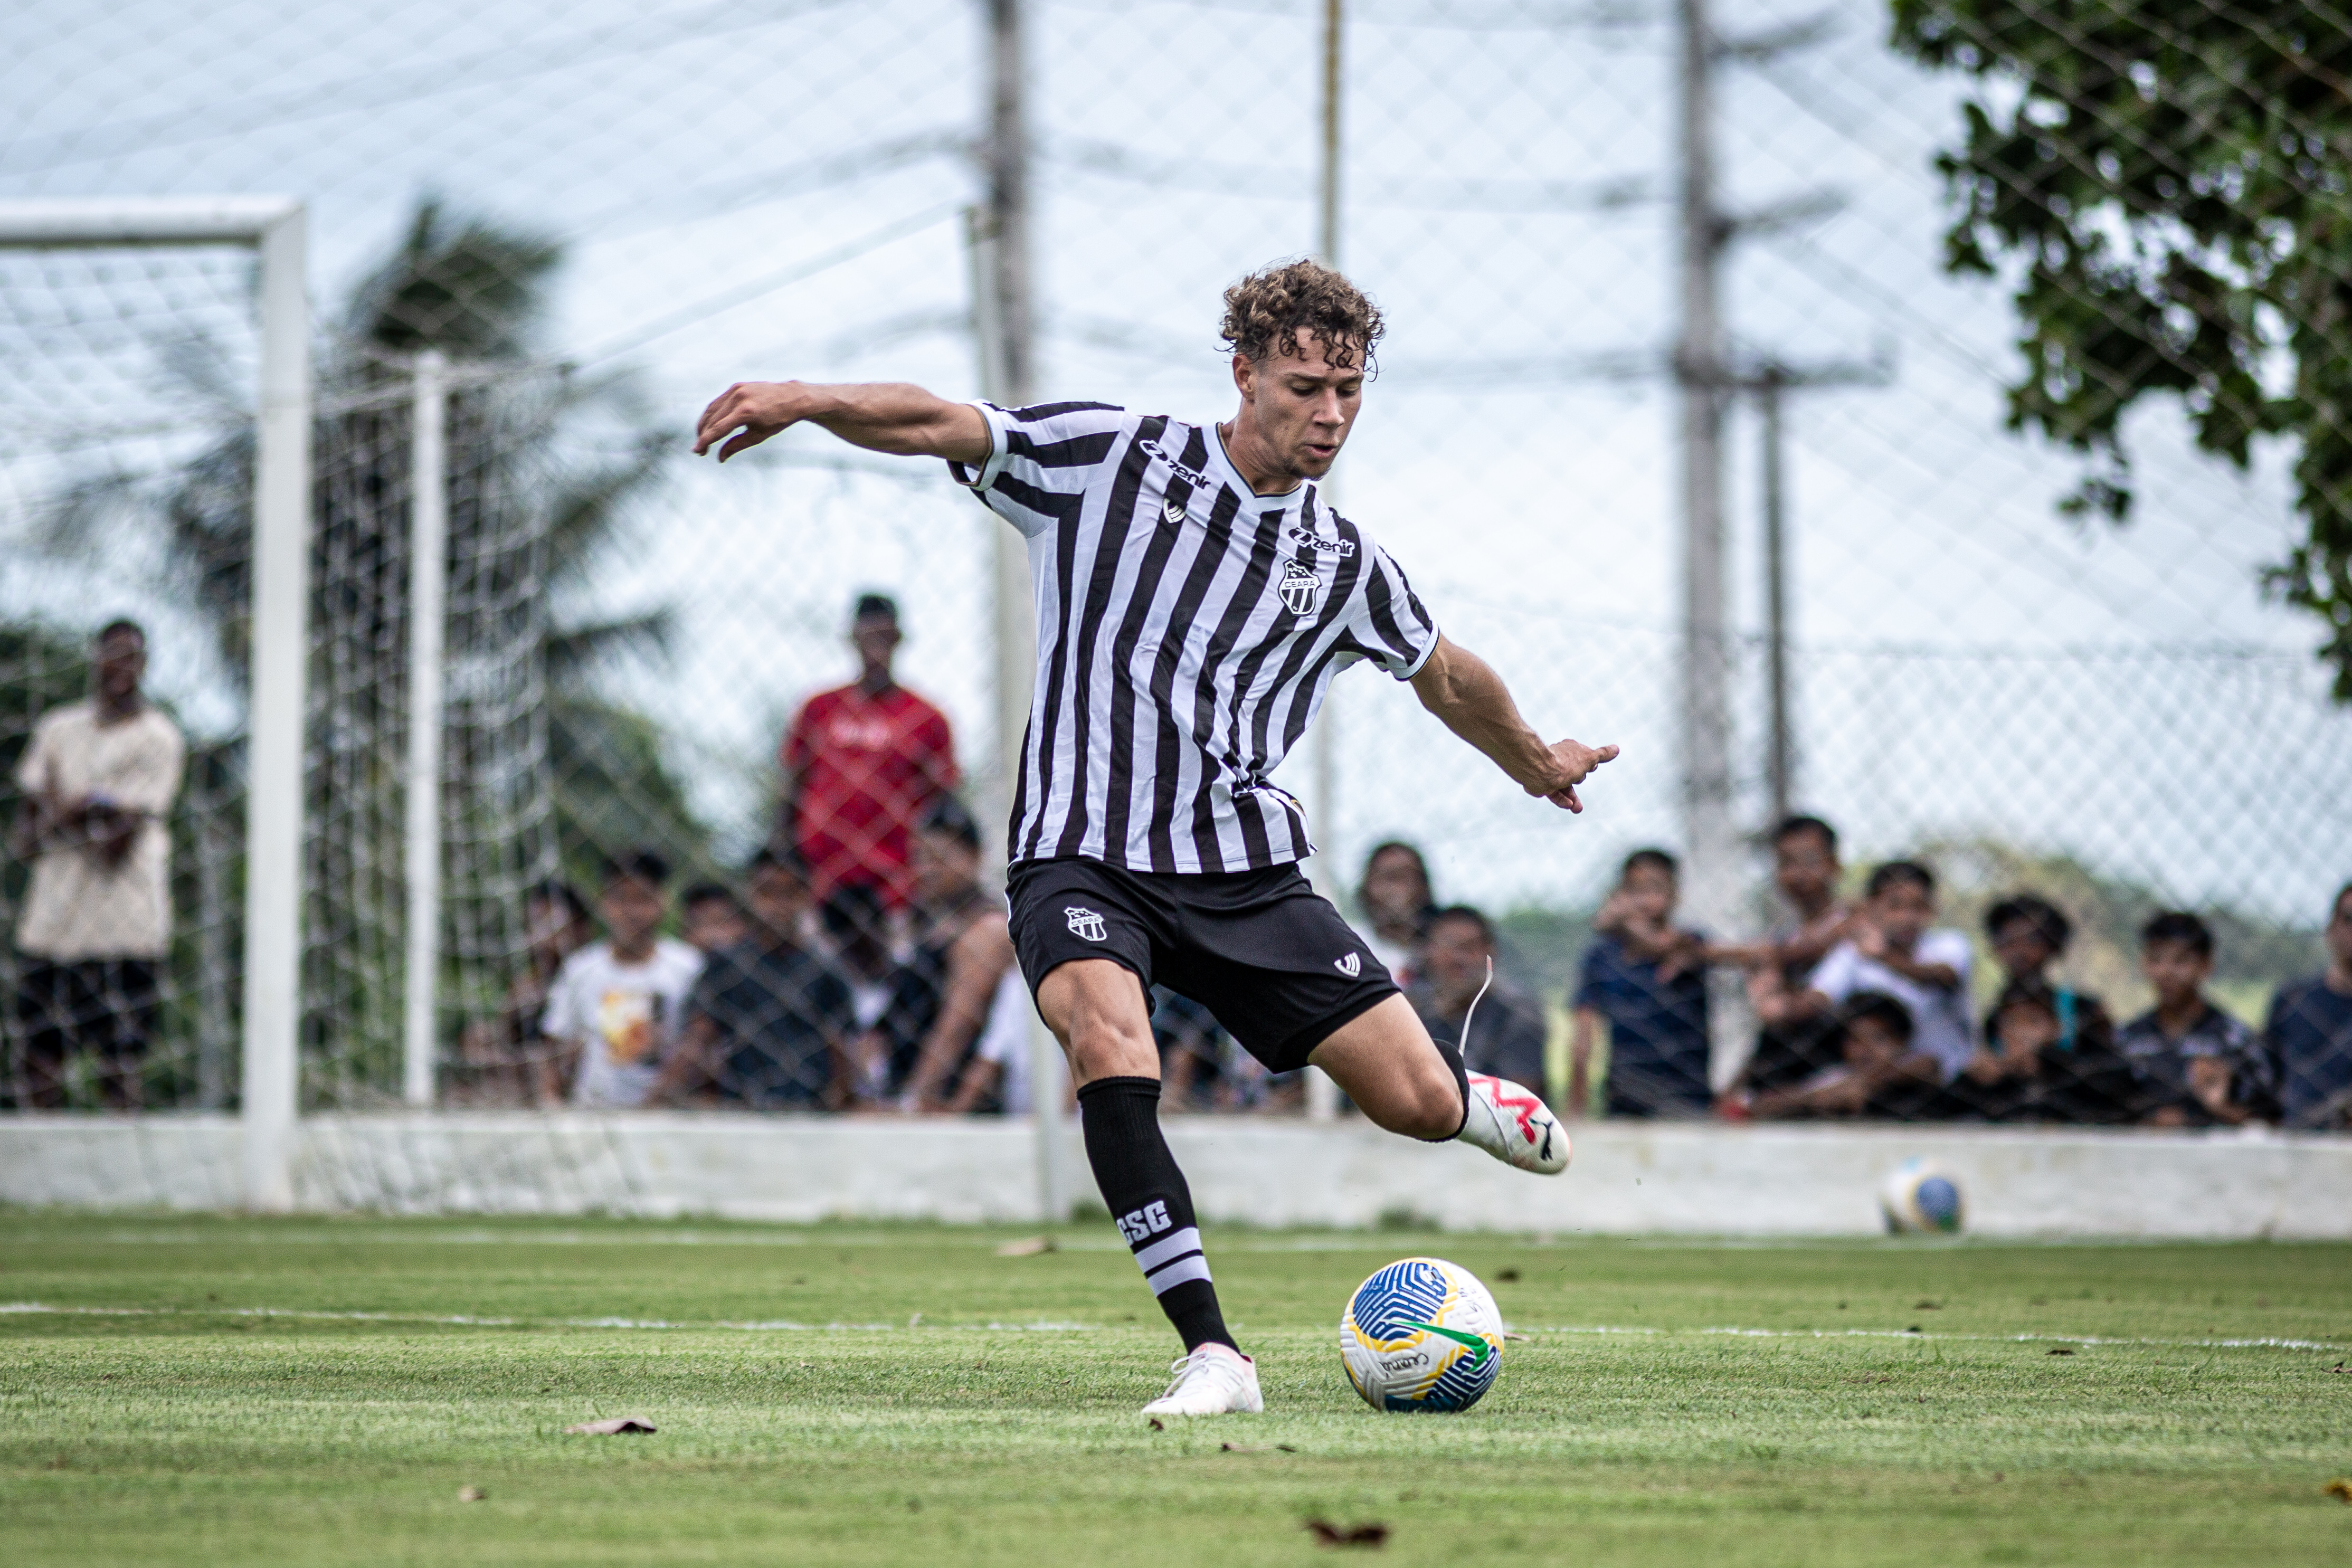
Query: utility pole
column 1005, row 323
column 1322, row 1094
column 1769, row 385
column 1710, row 878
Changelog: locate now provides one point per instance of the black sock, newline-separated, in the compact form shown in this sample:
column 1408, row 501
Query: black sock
column 1148, row 1197
column 1452, row 1056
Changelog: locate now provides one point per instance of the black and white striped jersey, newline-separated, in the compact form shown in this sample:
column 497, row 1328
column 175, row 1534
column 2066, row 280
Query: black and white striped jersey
column 1187, row 630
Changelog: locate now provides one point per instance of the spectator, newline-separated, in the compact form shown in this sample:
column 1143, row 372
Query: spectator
column 856, row 930
column 974, row 967
column 710, row 918
column 950, row 903
column 98, row 779
column 1396, row 899
column 770, row 1023
column 2310, row 1033
column 1644, row 975
column 2028, row 935
column 615, row 1007
column 2028, row 1070
column 500, row 1056
column 1805, row 871
column 1890, row 948
column 1507, row 1034
column 2193, row 1063
column 1193, row 1054
column 1877, row 1073
column 862, row 764
column 1000, row 1061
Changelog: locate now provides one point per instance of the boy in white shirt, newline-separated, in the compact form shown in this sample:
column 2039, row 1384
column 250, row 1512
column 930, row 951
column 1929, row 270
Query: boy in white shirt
column 616, row 1005
column 1893, row 951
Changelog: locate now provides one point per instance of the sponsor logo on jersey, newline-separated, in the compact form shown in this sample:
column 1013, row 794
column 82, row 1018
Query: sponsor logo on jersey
column 1191, row 475
column 1142, row 1224
column 1301, row 588
column 1340, row 547
column 1351, row 966
column 1086, row 923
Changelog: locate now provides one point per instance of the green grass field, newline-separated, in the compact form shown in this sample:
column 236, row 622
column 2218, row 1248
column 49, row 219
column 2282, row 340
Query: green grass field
column 318, row 1391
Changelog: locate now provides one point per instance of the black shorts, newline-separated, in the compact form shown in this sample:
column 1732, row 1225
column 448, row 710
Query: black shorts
column 1261, row 949
column 107, row 1006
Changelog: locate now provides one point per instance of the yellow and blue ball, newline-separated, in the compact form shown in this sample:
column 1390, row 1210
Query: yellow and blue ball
column 1422, row 1334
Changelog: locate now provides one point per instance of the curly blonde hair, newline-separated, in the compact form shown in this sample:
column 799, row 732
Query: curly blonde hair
column 1265, row 311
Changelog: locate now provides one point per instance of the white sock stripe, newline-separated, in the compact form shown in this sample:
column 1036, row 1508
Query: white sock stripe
column 1185, row 1241
column 1193, row 1267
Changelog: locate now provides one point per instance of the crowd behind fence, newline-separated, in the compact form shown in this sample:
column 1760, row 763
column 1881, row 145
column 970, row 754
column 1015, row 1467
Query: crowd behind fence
column 2112, row 721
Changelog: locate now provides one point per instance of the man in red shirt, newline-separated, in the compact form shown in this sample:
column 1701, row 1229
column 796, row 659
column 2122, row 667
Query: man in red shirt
column 862, row 764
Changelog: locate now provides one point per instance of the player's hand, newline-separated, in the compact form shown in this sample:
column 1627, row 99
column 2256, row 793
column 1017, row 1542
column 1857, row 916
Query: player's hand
column 1573, row 763
column 749, row 412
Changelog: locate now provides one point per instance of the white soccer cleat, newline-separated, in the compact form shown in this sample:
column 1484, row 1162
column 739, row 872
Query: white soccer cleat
column 1214, row 1380
column 1515, row 1126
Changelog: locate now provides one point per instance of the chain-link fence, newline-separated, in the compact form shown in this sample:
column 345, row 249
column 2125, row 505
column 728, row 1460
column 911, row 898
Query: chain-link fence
column 1622, row 248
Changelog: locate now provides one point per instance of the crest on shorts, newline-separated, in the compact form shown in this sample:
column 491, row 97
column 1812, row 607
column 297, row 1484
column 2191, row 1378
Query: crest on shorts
column 1301, row 588
column 1086, row 923
column 1351, row 966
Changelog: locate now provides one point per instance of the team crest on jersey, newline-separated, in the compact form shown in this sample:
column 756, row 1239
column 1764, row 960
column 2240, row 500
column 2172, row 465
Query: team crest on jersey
column 1301, row 588
column 1351, row 966
column 1343, row 548
column 1086, row 923
column 1174, row 511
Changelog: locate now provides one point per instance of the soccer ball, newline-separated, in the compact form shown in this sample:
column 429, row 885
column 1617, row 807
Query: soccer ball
column 1422, row 1334
column 1921, row 1194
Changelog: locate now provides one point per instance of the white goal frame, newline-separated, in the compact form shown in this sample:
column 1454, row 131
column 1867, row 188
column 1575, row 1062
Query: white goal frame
column 274, row 228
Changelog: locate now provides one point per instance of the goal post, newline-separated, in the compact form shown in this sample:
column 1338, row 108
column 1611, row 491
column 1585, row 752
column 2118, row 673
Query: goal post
column 274, row 228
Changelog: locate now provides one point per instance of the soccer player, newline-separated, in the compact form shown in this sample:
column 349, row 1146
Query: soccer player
column 1195, row 596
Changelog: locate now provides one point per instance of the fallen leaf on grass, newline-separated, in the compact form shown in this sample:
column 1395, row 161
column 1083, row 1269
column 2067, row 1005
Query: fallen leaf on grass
column 2340, row 1366
column 1027, row 1247
column 1155, row 1426
column 1257, row 1448
column 2340, row 1489
column 2060, row 1349
column 471, row 1494
column 1514, row 1333
column 1326, row 1534
column 612, row 1429
column 1923, row 1305
column 1508, row 1275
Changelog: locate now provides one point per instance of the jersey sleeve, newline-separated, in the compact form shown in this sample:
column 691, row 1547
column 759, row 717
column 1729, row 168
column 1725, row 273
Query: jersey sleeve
column 1835, row 976
column 564, row 1017
column 34, row 765
column 1387, row 623
column 1040, row 459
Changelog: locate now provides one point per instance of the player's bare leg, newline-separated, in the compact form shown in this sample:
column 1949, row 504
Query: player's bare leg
column 1096, row 1008
column 1405, row 1083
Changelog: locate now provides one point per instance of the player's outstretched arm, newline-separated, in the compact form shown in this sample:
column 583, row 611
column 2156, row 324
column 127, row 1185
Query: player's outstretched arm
column 881, row 416
column 1463, row 689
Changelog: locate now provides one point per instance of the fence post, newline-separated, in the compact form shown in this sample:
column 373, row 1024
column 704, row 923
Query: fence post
column 428, row 567
column 281, row 653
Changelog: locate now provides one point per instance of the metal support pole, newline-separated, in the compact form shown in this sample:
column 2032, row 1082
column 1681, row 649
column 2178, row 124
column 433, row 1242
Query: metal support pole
column 428, row 568
column 1710, row 842
column 281, row 653
column 1770, row 386
column 1004, row 319
column 1323, row 755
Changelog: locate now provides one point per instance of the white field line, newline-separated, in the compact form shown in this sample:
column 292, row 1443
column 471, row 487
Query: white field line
column 786, row 1326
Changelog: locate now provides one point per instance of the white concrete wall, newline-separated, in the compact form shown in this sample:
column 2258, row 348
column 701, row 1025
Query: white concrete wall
column 1627, row 1179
